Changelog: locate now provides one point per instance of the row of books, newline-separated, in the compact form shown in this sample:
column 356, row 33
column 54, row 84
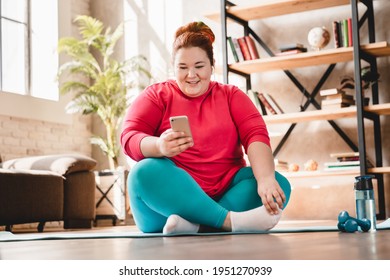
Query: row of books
column 291, row 49
column 342, row 33
column 344, row 161
column 335, row 98
column 243, row 48
column 265, row 103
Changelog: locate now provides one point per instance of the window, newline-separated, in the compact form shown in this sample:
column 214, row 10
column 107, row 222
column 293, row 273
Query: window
column 14, row 47
column 28, row 57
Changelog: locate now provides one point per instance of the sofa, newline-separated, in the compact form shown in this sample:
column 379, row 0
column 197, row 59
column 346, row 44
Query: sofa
column 40, row 189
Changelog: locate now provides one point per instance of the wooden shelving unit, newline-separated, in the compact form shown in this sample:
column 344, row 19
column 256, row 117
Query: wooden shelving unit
column 368, row 52
column 272, row 8
column 311, row 58
column 319, row 173
column 347, row 112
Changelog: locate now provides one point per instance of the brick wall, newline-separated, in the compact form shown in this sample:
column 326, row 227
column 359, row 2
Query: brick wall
column 22, row 137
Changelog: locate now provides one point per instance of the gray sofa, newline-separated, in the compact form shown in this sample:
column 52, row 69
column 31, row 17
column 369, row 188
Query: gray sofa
column 48, row 188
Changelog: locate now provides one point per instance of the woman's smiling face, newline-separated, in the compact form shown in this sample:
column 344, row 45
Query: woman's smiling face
column 192, row 71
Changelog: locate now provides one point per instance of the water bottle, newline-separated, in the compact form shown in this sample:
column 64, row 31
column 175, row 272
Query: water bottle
column 365, row 201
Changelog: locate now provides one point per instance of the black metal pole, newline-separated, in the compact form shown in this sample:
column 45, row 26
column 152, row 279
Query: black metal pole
column 224, row 42
column 1, row 50
column 358, row 88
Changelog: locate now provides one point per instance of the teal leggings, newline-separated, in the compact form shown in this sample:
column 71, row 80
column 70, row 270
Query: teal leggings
column 158, row 188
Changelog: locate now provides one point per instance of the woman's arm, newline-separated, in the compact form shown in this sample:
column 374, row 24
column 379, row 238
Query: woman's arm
column 262, row 162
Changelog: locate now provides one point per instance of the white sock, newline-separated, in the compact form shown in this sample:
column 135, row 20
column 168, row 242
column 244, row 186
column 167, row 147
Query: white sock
column 176, row 224
column 257, row 219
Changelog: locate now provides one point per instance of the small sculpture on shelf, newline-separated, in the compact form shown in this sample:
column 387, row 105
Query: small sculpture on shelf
column 293, row 167
column 311, row 165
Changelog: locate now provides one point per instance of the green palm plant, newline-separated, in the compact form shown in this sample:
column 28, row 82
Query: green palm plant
column 101, row 84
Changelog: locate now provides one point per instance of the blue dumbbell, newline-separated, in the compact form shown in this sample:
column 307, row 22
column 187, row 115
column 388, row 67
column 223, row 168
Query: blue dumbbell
column 348, row 226
column 344, row 217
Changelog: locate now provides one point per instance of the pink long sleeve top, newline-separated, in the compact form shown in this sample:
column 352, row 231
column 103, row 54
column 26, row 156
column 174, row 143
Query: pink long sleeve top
column 223, row 122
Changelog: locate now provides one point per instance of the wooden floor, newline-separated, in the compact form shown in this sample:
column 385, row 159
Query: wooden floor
column 276, row 246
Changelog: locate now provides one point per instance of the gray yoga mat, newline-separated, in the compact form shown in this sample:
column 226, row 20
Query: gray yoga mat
column 6, row 236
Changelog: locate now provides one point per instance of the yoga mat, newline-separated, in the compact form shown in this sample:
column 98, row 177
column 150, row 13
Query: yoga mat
column 6, row 236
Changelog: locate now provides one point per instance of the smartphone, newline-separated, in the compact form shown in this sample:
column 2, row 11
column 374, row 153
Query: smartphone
column 181, row 123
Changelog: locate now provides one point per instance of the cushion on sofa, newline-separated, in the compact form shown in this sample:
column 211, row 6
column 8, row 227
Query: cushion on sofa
column 62, row 163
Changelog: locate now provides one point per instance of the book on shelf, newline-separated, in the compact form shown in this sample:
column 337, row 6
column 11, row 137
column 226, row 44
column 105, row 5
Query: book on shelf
column 233, row 49
column 252, row 47
column 345, row 161
column 339, row 100
column 341, row 168
column 335, row 98
column 342, row 163
column 244, row 48
column 236, row 50
column 263, row 108
column 344, row 26
column 334, row 106
column 331, row 91
column 270, row 104
column 344, row 154
column 342, row 33
column 348, row 158
column 281, row 165
column 279, row 161
column 253, row 95
column 273, row 103
column 291, row 52
column 290, row 47
column 338, row 95
column 266, row 104
column 335, row 25
column 350, row 39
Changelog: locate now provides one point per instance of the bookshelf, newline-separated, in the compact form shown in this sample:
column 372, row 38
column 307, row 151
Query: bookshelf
column 315, row 174
column 242, row 15
column 312, row 58
column 277, row 8
column 347, row 112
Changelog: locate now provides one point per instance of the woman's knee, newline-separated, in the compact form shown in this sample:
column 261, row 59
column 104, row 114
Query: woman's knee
column 147, row 172
column 149, row 168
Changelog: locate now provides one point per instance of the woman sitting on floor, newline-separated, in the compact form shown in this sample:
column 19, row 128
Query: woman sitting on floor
column 184, row 184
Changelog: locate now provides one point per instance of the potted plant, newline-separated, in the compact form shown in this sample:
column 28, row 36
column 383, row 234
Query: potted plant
column 368, row 78
column 101, row 84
